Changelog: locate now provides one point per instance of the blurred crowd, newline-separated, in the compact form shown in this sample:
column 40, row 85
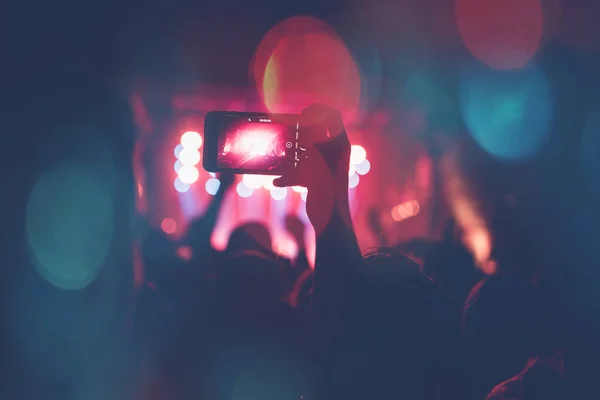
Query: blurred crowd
column 414, row 320
column 96, row 302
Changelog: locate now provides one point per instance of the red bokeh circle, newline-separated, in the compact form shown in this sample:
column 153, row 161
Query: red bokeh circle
column 503, row 34
column 303, row 61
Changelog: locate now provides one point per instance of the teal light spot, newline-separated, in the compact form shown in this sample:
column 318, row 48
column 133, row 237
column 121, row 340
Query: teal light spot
column 507, row 113
column 70, row 223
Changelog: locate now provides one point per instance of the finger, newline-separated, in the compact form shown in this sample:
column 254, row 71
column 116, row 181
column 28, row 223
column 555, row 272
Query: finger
column 284, row 181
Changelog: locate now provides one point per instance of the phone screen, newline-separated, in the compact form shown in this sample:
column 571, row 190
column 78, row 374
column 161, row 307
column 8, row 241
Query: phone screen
column 252, row 143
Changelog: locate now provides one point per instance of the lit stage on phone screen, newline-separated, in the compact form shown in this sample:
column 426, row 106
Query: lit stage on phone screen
column 257, row 143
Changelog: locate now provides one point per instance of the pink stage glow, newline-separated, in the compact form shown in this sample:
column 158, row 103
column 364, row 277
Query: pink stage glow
column 251, row 143
column 248, row 145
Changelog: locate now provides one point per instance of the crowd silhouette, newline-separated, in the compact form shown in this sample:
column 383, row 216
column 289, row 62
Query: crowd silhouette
column 412, row 321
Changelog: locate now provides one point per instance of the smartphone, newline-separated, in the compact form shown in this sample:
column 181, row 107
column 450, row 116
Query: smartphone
column 252, row 143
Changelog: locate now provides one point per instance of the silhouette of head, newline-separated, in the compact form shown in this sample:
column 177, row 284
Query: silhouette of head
column 250, row 236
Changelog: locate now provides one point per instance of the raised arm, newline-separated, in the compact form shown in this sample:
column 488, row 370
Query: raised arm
column 201, row 229
column 325, row 174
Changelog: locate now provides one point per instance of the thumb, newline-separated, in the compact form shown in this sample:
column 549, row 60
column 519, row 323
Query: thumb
column 283, row 181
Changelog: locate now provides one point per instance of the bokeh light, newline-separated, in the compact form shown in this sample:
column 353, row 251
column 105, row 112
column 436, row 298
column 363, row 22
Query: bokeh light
column 190, row 205
column 299, row 189
column 212, row 186
column 357, row 154
column 70, row 225
column 168, row 225
column 177, row 166
column 243, row 190
column 189, row 156
column 406, row 210
column 480, row 241
column 253, row 181
column 507, row 113
column 188, row 174
column 191, row 140
column 590, row 151
column 285, row 246
column 177, row 150
column 351, row 170
column 353, row 181
column 303, row 61
column 279, row 193
column 185, row 253
column 180, row 186
column 268, row 182
column 503, row 34
column 363, row 168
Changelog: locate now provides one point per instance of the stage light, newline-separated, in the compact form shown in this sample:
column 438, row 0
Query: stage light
column 285, row 247
column 299, row 189
column 268, row 182
column 279, row 193
column 212, row 174
column 180, row 186
column 188, row 174
column 353, row 181
column 243, row 190
column 257, row 142
column 357, row 154
column 212, row 186
column 253, row 181
column 191, row 140
column 178, row 149
column 177, row 166
column 189, row 156
column 412, row 208
column 405, row 210
column 363, row 168
column 398, row 213
column 351, row 170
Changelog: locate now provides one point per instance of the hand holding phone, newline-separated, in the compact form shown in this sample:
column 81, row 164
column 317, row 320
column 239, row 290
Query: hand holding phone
column 310, row 150
column 324, row 169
